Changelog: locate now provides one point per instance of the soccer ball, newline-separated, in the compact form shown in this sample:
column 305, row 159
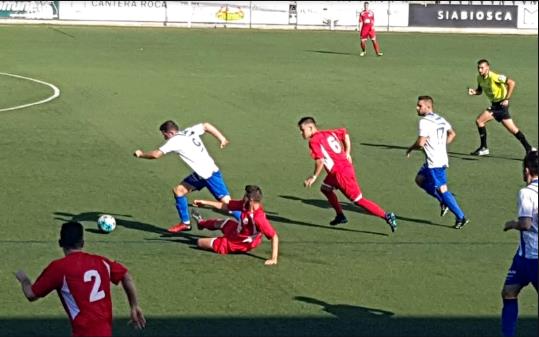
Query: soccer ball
column 106, row 223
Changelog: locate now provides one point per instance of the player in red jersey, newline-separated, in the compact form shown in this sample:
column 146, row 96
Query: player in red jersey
column 366, row 22
column 82, row 282
column 331, row 150
column 239, row 237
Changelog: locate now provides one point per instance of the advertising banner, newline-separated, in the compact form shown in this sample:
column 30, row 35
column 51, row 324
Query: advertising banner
column 42, row 10
column 527, row 15
column 113, row 10
column 463, row 16
column 229, row 12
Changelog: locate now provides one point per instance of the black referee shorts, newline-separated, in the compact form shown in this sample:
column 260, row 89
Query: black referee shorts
column 499, row 112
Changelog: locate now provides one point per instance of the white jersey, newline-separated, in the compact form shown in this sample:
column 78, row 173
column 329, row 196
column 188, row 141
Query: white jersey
column 527, row 208
column 188, row 145
column 434, row 128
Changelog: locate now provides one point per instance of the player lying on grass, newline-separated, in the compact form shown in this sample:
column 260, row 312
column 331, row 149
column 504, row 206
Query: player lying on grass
column 243, row 236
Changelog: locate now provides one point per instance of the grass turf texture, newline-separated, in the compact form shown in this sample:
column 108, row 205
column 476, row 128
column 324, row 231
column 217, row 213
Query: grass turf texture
column 72, row 158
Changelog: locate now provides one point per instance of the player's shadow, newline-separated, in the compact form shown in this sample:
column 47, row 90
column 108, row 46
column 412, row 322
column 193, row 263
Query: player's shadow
column 421, row 221
column 459, row 155
column 120, row 221
column 277, row 218
column 329, row 52
column 350, row 313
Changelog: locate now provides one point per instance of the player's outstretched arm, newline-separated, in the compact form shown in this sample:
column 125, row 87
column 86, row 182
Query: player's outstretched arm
column 274, row 251
column 216, row 133
column 137, row 317
column 211, row 203
column 523, row 224
column 26, row 285
column 155, row 154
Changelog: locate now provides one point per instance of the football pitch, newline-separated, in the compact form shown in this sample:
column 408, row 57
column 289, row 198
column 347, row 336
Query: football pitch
column 71, row 158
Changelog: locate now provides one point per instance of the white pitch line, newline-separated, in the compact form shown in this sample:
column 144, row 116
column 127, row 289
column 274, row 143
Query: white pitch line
column 54, row 95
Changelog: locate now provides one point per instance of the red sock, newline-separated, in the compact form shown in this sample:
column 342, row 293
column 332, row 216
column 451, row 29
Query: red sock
column 211, row 224
column 363, row 46
column 333, row 200
column 376, row 46
column 372, row 207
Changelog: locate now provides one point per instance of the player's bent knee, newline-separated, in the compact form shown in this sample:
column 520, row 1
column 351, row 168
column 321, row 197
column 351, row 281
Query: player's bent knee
column 180, row 191
column 442, row 189
column 419, row 179
column 509, row 293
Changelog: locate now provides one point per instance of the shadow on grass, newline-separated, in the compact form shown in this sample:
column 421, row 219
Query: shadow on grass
column 121, row 220
column 459, row 155
column 349, row 320
column 277, row 218
column 330, row 52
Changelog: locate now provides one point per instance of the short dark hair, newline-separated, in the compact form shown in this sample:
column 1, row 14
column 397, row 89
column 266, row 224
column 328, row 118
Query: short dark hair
column 531, row 162
column 481, row 61
column 306, row 120
column 169, row 126
column 425, row 98
column 253, row 192
column 71, row 235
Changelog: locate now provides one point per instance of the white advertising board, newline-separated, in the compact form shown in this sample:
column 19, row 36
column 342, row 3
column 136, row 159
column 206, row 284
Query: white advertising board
column 527, row 15
column 346, row 13
column 229, row 12
column 113, row 10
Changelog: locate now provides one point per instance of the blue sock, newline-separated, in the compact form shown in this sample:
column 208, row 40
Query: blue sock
column 430, row 189
column 509, row 316
column 451, row 202
column 183, row 209
column 236, row 214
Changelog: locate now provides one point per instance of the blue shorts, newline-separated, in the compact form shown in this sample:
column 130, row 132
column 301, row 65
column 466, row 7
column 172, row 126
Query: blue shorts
column 522, row 272
column 434, row 175
column 215, row 184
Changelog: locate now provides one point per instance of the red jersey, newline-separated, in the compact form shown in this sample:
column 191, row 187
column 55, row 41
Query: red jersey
column 252, row 224
column 328, row 146
column 366, row 17
column 82, row 281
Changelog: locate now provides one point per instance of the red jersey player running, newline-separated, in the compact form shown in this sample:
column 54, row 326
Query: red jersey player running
column 331, row 150
column 366, row 23
column 239, row 237
column 82, row 281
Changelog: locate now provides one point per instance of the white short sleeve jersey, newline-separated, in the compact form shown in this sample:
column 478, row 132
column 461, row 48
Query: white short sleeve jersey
column 188, row 145
column 434, row 128
column 527, row 208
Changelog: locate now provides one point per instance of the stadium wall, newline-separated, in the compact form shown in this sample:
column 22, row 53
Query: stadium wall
column 495, row 17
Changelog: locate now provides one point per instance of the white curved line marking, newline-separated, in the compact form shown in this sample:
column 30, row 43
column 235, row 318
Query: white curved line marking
column 53, row 87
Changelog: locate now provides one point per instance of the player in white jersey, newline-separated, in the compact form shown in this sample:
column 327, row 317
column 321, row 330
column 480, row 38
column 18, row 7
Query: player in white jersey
column 523, row 270
column 434, row 135
column 189, row 146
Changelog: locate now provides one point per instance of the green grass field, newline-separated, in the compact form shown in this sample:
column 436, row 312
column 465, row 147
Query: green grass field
column 72, row 159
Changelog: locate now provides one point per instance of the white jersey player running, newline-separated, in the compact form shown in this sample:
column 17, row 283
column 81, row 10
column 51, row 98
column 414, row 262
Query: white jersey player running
column 434, row 135
column 190, row 148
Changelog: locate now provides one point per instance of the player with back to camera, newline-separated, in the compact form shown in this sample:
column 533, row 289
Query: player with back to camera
column 82, row 281
column 190, row 148
column 434, row 134
column 523, row 270
column 331, row 150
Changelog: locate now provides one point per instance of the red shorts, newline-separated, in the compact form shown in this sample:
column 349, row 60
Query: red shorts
column 345, row 182
column 230, row 242
column 367, row 32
